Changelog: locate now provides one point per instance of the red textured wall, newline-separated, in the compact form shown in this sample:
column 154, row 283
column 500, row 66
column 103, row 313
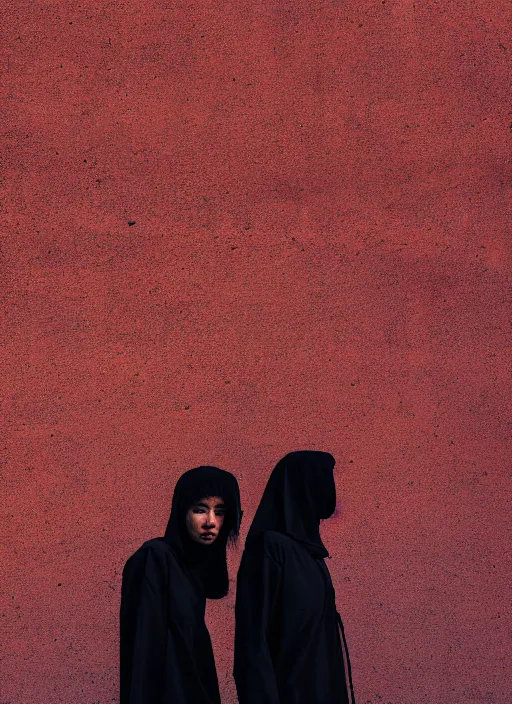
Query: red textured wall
column 317, row 258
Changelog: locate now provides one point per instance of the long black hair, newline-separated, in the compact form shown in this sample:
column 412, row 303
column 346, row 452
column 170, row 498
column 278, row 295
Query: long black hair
column 207, row 562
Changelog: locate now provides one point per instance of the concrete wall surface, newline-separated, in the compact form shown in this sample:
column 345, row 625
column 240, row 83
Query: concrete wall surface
column 236, row 229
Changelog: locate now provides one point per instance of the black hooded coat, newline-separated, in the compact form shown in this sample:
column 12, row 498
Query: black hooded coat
column 288, row 648
column 166, row 652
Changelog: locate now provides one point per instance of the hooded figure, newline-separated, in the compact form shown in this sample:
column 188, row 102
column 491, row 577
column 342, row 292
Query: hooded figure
column 166, row 652
column 288, row 648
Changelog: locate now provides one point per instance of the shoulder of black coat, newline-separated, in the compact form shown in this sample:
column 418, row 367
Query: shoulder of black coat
column 275, row 544
column 157, row 548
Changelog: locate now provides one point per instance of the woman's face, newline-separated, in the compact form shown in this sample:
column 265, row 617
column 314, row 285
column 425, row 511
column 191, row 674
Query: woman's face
column 205, row 518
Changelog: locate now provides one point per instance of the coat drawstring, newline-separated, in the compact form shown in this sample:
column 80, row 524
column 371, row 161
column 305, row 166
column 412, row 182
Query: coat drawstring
column 346, row 656
column 344, row 646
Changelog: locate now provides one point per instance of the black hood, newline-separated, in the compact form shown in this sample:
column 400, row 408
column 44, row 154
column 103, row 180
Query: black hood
column 208, row 562
column 299, row 492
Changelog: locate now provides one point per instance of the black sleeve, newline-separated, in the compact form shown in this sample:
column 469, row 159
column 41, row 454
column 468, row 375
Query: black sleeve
column 257, row 595
column 143, row 625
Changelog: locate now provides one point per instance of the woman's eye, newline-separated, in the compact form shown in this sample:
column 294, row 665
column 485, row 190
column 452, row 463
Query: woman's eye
column 198, row 510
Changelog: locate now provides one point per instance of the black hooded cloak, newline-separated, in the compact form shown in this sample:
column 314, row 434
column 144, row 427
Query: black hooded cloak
column 166, row 652
column 288, row 648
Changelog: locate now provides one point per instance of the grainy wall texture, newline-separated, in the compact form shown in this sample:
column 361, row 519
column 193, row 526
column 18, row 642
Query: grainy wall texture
column 231, row 230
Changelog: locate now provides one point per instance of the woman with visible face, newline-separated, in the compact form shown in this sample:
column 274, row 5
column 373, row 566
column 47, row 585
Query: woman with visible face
column 166, row 652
